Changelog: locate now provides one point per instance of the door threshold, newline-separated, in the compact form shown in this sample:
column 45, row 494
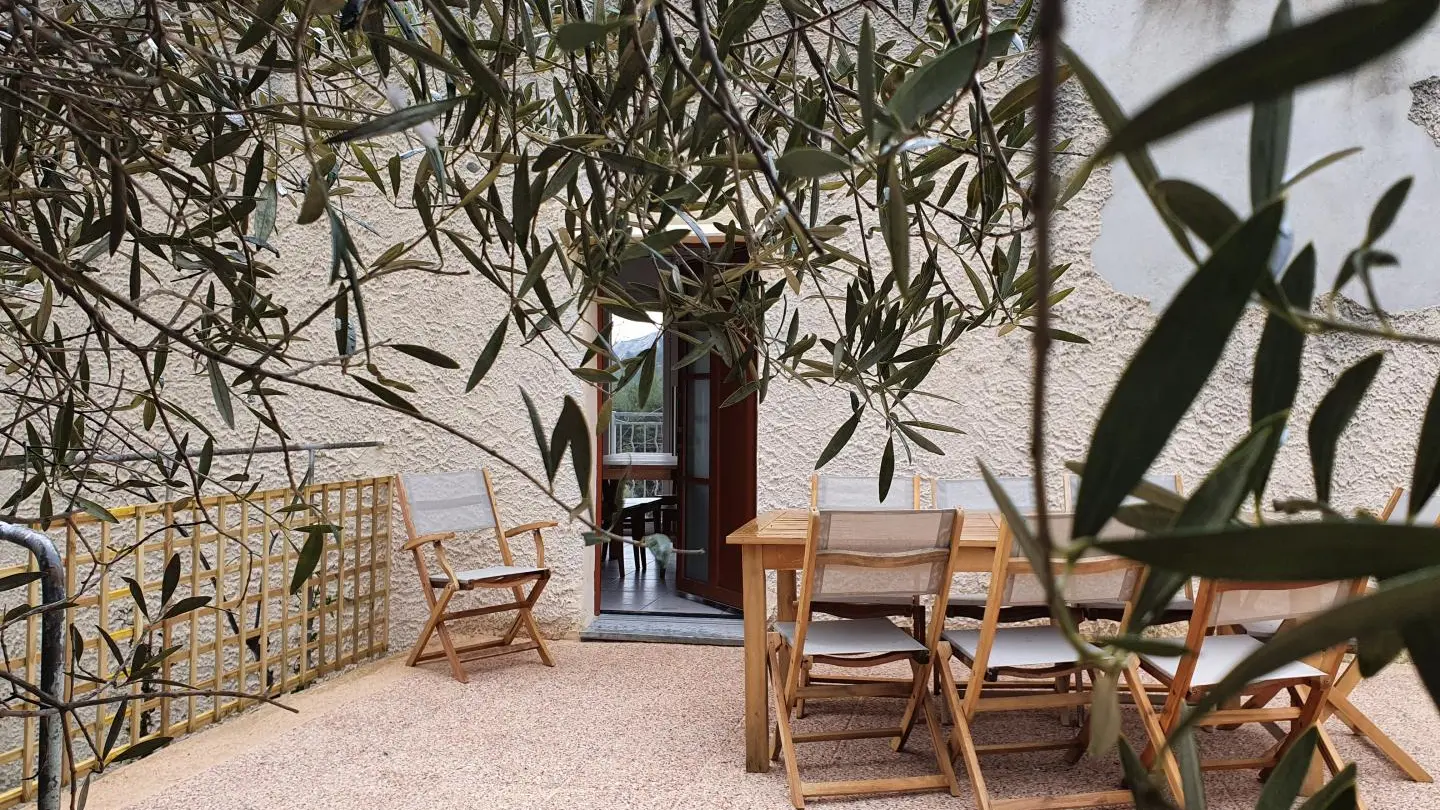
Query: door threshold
column 714, row 631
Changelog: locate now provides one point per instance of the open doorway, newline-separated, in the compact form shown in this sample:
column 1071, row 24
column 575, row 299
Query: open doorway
column 676, row 463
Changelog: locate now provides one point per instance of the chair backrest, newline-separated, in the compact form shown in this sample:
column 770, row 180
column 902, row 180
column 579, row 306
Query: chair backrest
column 830, row 492
column 1095, row 577
column 461, row 501
column 1170, row 481
column 1233, row 603
column 1397, row 510
column 973, row 494
column 893, row 553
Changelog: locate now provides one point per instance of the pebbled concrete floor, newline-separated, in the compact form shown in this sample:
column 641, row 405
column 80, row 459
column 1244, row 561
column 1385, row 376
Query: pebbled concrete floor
column 637, row 726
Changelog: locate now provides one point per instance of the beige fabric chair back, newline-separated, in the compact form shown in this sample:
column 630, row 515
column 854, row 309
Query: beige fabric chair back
column 1095, row 577
column 895, row 553
column 973, row 494
column 862, row 492
column 1234, row 603
column 447, row 502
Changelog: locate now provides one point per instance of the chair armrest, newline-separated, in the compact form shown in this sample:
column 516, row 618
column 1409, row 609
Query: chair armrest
column 534, row 530
column 531, row 527
column 416, row 542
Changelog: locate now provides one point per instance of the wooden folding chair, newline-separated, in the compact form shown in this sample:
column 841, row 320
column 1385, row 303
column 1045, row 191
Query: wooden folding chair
column 839, row 492
column 1209, row 658
column 1015, row 663
column 437, row 507
column 861, row 554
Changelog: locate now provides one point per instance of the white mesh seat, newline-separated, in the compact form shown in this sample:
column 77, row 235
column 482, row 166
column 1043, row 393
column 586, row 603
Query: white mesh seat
column 493, row 573
column 852, row 637
column 1218, row 657
column 1043, row 646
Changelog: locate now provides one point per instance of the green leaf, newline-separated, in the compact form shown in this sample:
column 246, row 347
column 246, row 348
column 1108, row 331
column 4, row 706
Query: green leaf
column 574, row 36
column 171, row 579
column 1104, row 713
column 397, row 121
column 1143, row 789
column 810, row 162
column 1170, row 368
column 1327, row 46
column 1278, row 356
column 887, row 468
column 1426, row 476
column 95, row 510
column 1143, row 644
column 1139, row 160
column 573, row 430
column 541, row 443
column 1375, row 651
column 1187, row 756
column 865, row 75
column 138, row 595
column 386, row 395
column 12, row 581
column 1333, row 414
column 487, row 355
column 186, row 605
column 1290, row 552
column 1317, row 165
column 218, row 147
column 220, row 391
column 1023, row 96
column 1337, row 794
column 1400, row 600
column 308, row 558
column 930, row 86
column 1285, row 781
column 425, row 354
column 840, row 439
column 143, row 748
column 1212, row 506
column 897, row 226
column 1270, row 130
column 1383, row 215
column 1202, row 212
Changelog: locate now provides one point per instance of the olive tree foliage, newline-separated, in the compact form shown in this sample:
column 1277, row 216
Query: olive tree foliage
column 153, row 150
column 1244, row 257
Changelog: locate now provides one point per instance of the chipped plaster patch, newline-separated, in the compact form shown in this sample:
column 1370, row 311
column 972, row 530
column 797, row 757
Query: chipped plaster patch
column 1425, row 108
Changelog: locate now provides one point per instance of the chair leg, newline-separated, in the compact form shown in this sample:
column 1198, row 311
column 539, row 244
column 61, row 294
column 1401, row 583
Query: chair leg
column 435, row 625
column 1331, row 756
column 961, row 744
column 782, row 722
column 1154, row 729
column 804, row 681
column 937, row 737
column 920, row 674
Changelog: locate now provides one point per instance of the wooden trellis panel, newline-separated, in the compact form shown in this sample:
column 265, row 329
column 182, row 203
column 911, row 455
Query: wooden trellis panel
column 253, row 638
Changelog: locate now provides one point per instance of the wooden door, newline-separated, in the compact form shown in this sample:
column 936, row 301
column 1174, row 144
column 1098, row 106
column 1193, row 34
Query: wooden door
column 716, row 480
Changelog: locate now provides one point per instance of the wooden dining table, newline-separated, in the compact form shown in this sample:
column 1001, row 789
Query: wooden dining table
column 775, row 541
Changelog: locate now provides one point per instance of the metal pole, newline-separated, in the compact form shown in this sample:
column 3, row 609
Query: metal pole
column 241, row 451
column 52, row 657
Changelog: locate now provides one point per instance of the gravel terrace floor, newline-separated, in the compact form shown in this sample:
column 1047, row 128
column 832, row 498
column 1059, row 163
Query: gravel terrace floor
column 638, row 726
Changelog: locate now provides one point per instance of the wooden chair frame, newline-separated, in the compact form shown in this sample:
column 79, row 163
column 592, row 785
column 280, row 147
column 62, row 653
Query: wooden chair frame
column 786, row 671
column 914, row 611
column 438, row 598
column 1308, row 695
column 965, row 701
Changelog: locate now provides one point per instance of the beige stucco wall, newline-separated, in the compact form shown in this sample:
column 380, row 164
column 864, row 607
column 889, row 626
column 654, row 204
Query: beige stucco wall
column 988, row 379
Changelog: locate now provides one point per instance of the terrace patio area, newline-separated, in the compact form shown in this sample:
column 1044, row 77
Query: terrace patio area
column 636, row 726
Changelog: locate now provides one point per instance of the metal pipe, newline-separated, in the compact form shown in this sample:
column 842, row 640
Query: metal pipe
column 241, row 451
column 52, row 657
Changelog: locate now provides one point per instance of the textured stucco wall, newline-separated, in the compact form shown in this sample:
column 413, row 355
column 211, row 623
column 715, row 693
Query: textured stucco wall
column 1122, row 260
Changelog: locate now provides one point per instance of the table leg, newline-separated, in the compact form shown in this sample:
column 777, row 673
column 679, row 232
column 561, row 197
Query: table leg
column 757, row 713
column 785, row 595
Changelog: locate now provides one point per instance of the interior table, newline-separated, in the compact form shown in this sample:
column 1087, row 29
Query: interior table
column 775, row 541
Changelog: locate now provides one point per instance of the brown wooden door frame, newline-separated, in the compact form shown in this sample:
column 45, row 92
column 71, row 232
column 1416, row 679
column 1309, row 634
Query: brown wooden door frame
column 731, row 479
